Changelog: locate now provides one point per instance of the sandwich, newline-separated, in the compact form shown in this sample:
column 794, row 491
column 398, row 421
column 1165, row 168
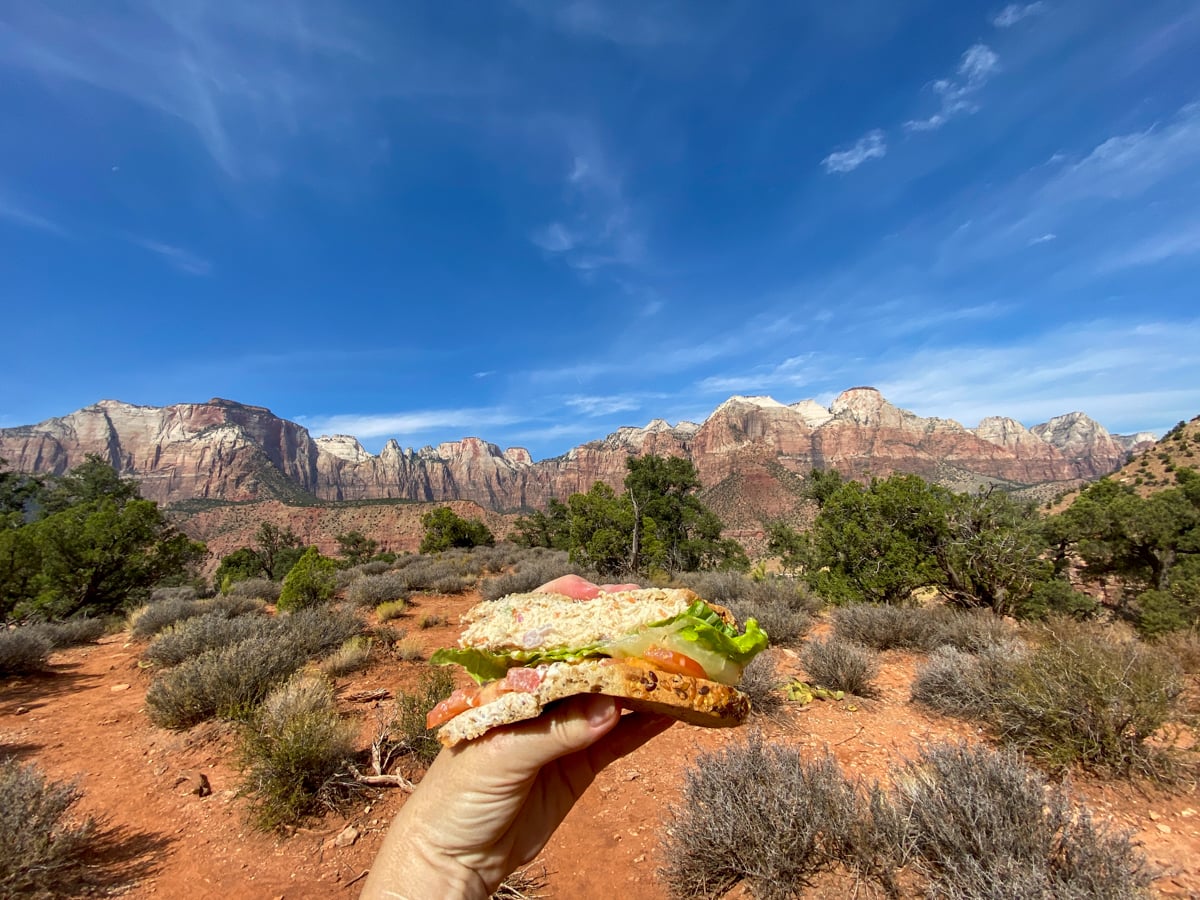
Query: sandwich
column 659, row 650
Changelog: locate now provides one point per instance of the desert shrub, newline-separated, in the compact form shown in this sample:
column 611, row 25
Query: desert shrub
column 1184, row 646
column 230, row 605
column 310, row 581
column 295, row 744
column 841, row 665
column 430, row 620
column 149, row 620
column 973, row 630
column 350, row 657
column 70, row 632
column 256, row 589
column 726, row 588
column 531, row 573
column 229, row 682
column 387, row 635
column 346, row 577
column 371, row 590
column 407, row 731
column 392, row 609
column 23, row 651
column 177, row 593
column 450, row 584
column 191, row 637
column 226, row 683
column 41, row 844
column 962, row 684
column 407, row 649
column 424, row 572
column 887, row 627
column 980, row 823
column 760, row 814
column 1090, row 700
column 760, row 682
column 783, row 608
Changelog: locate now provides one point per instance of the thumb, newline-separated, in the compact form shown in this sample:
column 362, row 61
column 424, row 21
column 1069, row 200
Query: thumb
column 522, row 749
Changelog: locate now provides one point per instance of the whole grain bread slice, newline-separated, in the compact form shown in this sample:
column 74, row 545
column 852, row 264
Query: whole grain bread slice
column 641, row 686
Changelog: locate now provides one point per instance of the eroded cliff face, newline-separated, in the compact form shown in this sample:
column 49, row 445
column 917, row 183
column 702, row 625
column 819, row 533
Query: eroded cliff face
column 746, row 452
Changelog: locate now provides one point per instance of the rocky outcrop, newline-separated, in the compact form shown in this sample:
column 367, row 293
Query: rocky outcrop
column 751, row 454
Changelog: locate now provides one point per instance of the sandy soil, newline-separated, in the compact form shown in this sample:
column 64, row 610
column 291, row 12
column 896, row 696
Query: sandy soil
column 85, row 720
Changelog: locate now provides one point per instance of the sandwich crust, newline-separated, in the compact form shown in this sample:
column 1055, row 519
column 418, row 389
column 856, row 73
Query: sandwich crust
column 640, row 685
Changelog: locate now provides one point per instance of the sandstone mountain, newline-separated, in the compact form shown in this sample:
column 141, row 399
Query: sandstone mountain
column 751, row 454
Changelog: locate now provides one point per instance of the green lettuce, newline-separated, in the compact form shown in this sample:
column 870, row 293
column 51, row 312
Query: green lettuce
column 699, row 623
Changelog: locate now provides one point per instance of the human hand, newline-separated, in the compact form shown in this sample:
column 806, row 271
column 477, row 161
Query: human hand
column 488, row 806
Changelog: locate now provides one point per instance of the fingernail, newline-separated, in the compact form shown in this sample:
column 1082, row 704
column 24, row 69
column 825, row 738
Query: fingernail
column 600, row 711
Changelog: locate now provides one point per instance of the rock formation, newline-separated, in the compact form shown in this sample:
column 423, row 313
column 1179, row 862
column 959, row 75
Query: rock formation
column 751, row 453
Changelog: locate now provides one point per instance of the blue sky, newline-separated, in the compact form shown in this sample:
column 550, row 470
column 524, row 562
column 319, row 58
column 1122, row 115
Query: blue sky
column 535, row 221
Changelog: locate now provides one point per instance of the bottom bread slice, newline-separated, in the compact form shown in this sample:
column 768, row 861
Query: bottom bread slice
column 641, row 685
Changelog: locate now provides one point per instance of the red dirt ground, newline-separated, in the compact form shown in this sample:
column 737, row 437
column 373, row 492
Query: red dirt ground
column 86, row 720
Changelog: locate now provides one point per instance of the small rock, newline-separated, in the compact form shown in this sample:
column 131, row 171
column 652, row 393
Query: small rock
column 639, row 859
column 634, row 776
column 1154, row 816
column 21, row 710
column 193, row 783
column 1165, row 829
column 119, row 687
column 346, row 837
column 1186, row 813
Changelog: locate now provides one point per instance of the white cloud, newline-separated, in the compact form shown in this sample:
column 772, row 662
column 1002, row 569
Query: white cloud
column 183, row 260
column 1015, row 12
column 554, row 238
column 1043, row 239
column 1168, row 244
column 18, row 214
column 409, row 423
column 870, row 146
column 603, row 405
column 977, row 65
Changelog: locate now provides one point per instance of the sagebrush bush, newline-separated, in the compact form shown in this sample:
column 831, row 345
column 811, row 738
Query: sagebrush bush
column 725, row 588
column 980, row 823
column 231, row 606
column 23, row 651
column 371, row 590
column 407, row 731
column 426, row 573
column 1091, row 701
column 392, row 609
column 1184, row 646
column 41, row 843
column 229, row 682
column 72, row 631
column 295, row 744
column 256, row 589
column 887, row 627
column 962, row 684
column 408, row 649
column 841, row 666
column 450, row 584
column 147, row 621
column 191, row 637
column 762, row 814
column 530, row 574
column 760, row 682
column 353, row 655
column 430, row 620
column 784, row 608
column 177, row 593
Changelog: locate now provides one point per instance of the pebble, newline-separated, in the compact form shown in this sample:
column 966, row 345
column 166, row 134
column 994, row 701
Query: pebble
column 346, row 837
column 1154, row 816
column 1165, row 829
column 1187, row 813
column 119, row 687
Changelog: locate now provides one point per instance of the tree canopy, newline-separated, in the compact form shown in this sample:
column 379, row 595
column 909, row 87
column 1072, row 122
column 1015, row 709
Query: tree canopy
column 444, row 528
column 84, row 543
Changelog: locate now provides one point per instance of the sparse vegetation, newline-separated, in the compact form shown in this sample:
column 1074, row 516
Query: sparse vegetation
column 41, row 842
column 760, row 682
column 430, row 620
column 353, row 655
column 408, row 649
column 295, row 744
column 407, row 732
column 192, row 637
column 372, row 590
column 149, row 620
column 392, row 609
column 840, row 665
column 918, row 628
column 256, row 589
column 23, row 651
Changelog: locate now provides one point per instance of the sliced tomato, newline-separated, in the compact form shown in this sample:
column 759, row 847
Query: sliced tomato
column 458, row 702
column 523, row 680
column 674, row 662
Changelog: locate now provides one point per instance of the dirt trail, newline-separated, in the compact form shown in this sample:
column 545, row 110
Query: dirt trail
column 86, row 720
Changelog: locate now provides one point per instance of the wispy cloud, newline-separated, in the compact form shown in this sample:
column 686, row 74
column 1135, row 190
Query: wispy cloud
column 977, row 65
column 400, row 425
column 870, row 146
column 1155, row 249
column 1016, row 12
column 642, row 24
column 599, row 227
column 603, row 406
column 18, row 214
column 1043, row 239
column 181, row 259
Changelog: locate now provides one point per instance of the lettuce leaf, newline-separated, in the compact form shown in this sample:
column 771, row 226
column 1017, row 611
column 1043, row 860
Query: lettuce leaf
column 699, row 623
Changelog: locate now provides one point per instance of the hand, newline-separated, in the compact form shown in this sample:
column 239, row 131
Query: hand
column 580, row 588
column 488, row 806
